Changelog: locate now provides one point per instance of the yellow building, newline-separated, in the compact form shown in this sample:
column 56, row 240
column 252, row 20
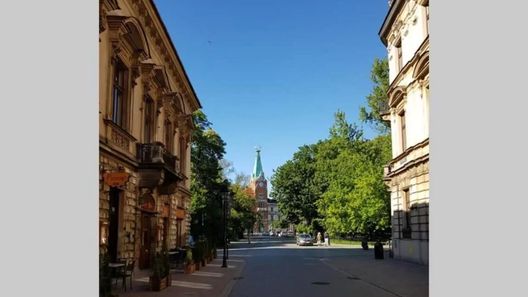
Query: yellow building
column 405, row 32
column 145, row 106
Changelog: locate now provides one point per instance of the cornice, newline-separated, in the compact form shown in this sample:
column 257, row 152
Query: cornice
column 391, row 16
column 408, row 151
column 150, row 17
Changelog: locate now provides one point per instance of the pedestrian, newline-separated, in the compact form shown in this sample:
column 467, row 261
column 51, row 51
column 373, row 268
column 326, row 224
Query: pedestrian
column 326, row 239
column 318, row 238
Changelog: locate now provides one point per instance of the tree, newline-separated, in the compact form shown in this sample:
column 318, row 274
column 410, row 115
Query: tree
column 243, row 211
column 350, row 171
column 377, row 100
column 342, row 129
column 336, row 184
column 207, row 182
column 294, row 187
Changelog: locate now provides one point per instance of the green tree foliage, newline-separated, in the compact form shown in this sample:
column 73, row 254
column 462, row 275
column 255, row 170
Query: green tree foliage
column 336, row 184
column 294, row 187
column 243, row 211
column 207, row 182
column 377, row 99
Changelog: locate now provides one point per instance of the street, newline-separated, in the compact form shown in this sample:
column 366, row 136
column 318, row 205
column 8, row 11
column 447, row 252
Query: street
column 281, row 268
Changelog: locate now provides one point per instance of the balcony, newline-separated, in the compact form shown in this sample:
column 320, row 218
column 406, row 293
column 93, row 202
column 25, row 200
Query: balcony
column 384, row 110
column 158, row 167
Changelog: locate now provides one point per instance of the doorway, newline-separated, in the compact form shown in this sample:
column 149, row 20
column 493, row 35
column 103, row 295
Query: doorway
column 113, row 232
column 146, row 240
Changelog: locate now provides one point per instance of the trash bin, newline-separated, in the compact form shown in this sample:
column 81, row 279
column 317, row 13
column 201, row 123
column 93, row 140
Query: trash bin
column 364, row 244
column 378, row 250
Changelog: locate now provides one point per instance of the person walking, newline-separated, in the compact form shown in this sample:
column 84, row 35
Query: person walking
column 326, row 239
column 318, row 238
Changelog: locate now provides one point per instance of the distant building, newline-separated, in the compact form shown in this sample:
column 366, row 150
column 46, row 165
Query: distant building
column 273, row 213
column 259, row 185
column 405, row 32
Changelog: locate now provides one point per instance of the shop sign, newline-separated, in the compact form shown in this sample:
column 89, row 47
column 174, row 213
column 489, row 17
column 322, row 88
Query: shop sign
column 180, row 213
column 115, row 179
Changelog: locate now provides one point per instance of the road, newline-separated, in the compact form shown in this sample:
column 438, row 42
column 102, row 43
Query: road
column 278, row 268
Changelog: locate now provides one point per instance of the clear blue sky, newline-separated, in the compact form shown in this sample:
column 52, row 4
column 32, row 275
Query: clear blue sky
column 273, row 72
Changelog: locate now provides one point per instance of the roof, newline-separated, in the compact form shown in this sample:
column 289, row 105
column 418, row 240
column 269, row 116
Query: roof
column 389, row 19
column 175, row 52
column 257, row 168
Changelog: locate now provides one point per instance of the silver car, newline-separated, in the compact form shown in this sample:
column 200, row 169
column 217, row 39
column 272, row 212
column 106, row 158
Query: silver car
column 304, row 239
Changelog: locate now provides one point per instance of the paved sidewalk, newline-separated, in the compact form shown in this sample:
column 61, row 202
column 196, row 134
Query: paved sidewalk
column 210, row 281
column 398, row 277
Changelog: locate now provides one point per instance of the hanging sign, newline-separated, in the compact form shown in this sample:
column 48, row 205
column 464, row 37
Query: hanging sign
column 115, row 179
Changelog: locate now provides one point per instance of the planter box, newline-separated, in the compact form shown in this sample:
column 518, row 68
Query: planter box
column 189, row 268
column 196, row 266
column 158, row 284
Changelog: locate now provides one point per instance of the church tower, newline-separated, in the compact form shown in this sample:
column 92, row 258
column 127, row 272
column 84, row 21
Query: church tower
column 259, row 185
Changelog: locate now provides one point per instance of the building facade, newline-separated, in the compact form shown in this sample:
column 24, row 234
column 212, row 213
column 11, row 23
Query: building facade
column 273, row 213
column 405, row 33
column 259, row 187
column 145, row 105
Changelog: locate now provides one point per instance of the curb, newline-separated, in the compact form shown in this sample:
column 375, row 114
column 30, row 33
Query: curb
column 227, row 289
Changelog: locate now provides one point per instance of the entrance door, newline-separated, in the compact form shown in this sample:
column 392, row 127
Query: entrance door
column 146, row 241
column 166, row 233
column 114, row 224
column 179, row 233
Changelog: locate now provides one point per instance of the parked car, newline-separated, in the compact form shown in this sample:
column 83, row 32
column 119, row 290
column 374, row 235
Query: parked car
column 304, row 239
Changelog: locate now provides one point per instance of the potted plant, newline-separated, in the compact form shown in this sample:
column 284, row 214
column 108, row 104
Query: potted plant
column 105, row 278
column 160, row 277
column 197, row 255
column 188, row 262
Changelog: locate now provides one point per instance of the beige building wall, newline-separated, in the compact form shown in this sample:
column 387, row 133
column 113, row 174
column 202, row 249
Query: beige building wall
column 132, row 33
column 405, row 33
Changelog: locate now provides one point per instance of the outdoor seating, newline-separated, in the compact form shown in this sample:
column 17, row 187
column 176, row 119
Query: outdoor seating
column 176, row 258
column 126, row 272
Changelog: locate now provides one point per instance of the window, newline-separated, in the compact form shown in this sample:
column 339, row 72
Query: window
column 403, row 131
column 427, row 19
column 426, row 105
column 183, row 151
column 169, row 136
column 150, row 120
column 119, row 94
column 399, row 61
column 406, row 228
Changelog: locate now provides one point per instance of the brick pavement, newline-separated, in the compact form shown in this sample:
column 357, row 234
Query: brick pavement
column 210, row 281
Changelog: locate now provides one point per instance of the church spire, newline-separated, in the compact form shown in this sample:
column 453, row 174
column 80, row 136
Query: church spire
column 257, row 169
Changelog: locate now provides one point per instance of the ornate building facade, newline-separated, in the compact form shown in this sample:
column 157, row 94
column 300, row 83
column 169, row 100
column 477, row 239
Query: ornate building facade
column 405, row 33
column 145, row 106
column 259, row 187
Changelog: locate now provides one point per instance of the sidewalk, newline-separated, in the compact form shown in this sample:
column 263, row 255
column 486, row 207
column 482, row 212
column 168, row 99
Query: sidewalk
column 210, row 281
column 398, row 277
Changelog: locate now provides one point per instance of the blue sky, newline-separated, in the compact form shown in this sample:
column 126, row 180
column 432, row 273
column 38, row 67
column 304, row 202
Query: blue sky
column 271, row 73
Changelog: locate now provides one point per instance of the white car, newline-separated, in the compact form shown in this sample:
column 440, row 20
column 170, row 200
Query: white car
column 304, row 239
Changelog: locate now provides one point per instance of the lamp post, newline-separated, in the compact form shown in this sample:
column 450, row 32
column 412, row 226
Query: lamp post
column 224, row 209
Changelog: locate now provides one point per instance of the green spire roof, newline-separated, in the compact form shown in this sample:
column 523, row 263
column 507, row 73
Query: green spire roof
column 257, row 169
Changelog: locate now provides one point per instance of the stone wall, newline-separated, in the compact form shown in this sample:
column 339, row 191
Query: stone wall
column 127, row 230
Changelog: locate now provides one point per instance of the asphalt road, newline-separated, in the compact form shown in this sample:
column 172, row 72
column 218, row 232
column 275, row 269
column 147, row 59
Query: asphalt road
column 278, row 268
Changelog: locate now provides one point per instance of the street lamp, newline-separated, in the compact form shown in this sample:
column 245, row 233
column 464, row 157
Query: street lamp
column 224, row 209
